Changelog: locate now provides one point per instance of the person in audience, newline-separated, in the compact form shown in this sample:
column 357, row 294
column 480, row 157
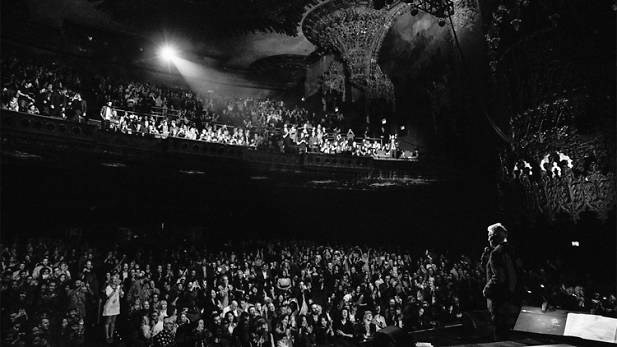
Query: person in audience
column 167, row 337
column 142, row 108
column 78, row 109
column 286, row 293
column 111, row 309
column 366, row 329
column 108, row 115
column 343, row 328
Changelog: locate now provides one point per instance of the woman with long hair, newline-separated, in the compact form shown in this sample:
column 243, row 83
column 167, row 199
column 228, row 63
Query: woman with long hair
column 261, row 337
column 282, row 332
column 305, row 335
column 324, row 334
column 343, row 328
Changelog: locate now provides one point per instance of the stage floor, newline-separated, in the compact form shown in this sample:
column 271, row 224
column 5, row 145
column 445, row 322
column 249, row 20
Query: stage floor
column 509, row 344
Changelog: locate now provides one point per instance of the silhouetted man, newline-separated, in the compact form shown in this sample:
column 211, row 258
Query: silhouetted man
column 501, row 281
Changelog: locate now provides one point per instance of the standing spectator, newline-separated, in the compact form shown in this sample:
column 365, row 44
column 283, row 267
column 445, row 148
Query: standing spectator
column 108, row 114
column 92, row 294
column 306, row 335
column 77, row 297
column 59, row 102
column 185, row 331
column 242, row 331
column 343, row 328
column 324, row 334
column 378, row 319
column 366, row 328
column 261, row 336
column 79, row 108
column 111, row 309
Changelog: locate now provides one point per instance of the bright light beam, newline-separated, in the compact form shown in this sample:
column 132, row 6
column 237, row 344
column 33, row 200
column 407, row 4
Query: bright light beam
column 202, row 79
column 168, row 53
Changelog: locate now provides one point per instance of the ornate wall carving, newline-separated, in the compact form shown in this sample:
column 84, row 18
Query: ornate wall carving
column 333, row 80
column 553, row 167
column 552, row 67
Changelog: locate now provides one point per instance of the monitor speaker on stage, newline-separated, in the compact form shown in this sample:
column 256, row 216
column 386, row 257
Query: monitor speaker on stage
column 564, row 323
column 534, row 320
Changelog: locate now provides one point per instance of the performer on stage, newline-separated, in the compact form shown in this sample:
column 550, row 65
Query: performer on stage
column 500, row 291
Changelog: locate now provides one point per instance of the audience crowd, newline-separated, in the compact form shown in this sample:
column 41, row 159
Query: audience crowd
column 143, row 108
column 60, row 293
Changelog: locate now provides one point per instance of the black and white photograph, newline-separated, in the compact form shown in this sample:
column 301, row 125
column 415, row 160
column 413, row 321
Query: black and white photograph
column 308, row 173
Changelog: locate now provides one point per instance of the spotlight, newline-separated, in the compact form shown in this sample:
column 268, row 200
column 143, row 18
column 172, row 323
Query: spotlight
column 442, row 22
column 384, row 121
column 575, row 244
column 167, row 53
column 414, row 11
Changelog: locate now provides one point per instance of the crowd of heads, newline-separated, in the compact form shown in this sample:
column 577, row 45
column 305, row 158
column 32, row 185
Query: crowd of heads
column 45, row 88
column 253, row 293
column 139, row 107
column 550, row 286
column 281, row 293
column 130, row 123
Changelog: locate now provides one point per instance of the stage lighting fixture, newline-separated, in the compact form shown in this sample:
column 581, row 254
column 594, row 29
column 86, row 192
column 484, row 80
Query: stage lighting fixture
column 575, row 244
column 167, row 53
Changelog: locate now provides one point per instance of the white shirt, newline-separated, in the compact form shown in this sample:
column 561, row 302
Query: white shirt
column 107, row 112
